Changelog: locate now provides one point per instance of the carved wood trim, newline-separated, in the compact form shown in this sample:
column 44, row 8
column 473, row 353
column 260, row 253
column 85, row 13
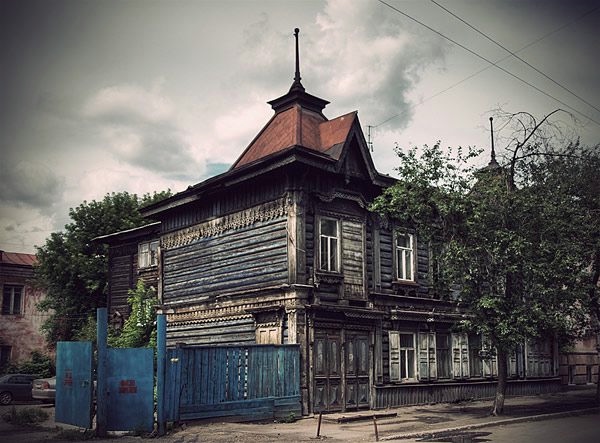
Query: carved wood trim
column 264, row 212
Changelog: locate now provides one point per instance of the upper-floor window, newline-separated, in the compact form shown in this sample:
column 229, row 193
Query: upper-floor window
column 148, row 254
column 329, row 245
column 404, row 246
column 12, row 299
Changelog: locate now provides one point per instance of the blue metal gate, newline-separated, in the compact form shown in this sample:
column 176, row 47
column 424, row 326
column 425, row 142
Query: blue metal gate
column 74, row 384
column 248, row 382
column 130, row 389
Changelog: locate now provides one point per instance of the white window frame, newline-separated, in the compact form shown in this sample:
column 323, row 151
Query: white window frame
column 404, row 255
column 329, row 266
column 399, row 357
column 13, row 308
column 148, row 254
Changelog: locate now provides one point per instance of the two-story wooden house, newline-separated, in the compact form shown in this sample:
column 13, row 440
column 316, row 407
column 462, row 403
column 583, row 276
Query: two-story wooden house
column 282, row 248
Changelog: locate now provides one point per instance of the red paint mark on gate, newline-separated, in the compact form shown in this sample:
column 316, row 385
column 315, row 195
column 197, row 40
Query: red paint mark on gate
column 68, row 380
column 127, row 387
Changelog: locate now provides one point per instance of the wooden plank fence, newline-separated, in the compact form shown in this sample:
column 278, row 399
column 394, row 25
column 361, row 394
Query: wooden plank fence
column 251, row 382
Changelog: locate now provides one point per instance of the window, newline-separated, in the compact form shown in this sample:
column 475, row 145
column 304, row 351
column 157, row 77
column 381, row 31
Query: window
column 427, row 356
column 12, row 299
column 402, row 356
column 148, row 254
column 4, row 355
column 329, row 245
column 476, row 365
column 444, row 357
column 268, row 335
column 404, row 256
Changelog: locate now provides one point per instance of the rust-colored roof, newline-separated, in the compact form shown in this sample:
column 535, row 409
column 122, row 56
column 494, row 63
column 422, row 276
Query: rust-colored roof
column 298, row 126
column 17, row 258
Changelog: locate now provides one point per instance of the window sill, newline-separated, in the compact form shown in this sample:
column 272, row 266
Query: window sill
column 410, row 283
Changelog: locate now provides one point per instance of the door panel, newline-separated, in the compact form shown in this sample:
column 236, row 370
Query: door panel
column 74, row 383
column 326, row 358
column 357, row 370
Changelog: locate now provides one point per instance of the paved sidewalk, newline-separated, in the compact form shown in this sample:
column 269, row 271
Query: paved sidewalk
column 412, row 423
column 395, row 424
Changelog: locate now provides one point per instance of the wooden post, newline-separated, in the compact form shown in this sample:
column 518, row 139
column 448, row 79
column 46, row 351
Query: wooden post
column 319, row 425
column 161, row 355
column 375, row 426
column 101, row 388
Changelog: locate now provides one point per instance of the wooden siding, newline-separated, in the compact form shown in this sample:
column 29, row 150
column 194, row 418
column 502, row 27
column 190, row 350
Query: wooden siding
column 121, row 281
column 235, row 260
column 227, row 331
column 419, row 394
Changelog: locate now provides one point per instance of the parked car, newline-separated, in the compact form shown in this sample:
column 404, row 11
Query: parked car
column 44, row 389
column 15, row 387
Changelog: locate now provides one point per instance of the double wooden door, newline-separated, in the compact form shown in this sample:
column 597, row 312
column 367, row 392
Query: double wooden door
column 341, row 365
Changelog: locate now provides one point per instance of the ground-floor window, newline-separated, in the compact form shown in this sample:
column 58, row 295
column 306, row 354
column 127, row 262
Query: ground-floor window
column 402, row 356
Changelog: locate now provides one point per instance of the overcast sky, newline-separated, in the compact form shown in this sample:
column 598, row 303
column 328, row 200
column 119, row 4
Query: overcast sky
column 142, row 95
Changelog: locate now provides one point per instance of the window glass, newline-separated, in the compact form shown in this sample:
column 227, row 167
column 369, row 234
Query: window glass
column 404, row 256
column 444, row 356
column 12, row 299
column 328, row 244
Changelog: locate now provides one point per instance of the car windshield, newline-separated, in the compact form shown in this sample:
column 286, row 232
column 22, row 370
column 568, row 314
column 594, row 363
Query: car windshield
column 5, row 378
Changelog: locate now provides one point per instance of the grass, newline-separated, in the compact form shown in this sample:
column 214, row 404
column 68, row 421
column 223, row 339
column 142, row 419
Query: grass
column 25, row 416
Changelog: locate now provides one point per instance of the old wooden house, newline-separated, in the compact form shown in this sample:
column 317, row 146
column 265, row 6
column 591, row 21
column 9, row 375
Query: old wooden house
column 132, row 256
column 282, row 248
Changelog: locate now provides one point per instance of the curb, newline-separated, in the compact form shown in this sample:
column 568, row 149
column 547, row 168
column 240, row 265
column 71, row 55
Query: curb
column 507, row 421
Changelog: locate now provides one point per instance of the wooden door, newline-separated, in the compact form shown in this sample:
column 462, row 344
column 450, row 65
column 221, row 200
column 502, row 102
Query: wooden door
column 327, row 371
column 357, row 370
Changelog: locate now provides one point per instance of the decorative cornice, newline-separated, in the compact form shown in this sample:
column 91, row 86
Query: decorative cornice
column 328, row 198
column 267, row 211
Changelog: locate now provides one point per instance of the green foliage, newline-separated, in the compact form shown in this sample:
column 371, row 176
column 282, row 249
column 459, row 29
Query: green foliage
column 139, row 330
column 73, row 268
column 25, row 416
column 512, row 245
column 38, row 364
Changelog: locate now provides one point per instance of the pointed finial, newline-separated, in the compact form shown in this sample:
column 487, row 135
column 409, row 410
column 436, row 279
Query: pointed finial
column 297, row 78
column 493, row 163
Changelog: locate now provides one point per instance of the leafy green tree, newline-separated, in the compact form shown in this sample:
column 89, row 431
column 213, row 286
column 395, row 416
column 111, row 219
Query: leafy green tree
column 139, row 329
column 513, row 258
column 73, row 268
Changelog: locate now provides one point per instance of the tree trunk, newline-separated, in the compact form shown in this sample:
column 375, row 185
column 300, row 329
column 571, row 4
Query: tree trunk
column 498, row 407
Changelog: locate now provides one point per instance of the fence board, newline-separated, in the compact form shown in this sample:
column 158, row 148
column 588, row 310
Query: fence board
column 245, row 382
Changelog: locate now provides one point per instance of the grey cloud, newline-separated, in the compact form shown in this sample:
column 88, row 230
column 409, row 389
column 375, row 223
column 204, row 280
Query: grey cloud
column 29, row 184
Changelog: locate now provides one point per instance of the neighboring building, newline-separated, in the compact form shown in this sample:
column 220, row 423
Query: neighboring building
column 20, row 320
column 132, row 255
column 579, row 366
column 283, row 249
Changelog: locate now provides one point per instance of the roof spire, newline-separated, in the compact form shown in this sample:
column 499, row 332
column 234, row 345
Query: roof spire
column 493, row 163
column 297, row 78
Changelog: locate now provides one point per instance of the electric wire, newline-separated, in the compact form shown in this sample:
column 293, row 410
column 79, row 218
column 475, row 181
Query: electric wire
column 488, row 61
column 515, row 55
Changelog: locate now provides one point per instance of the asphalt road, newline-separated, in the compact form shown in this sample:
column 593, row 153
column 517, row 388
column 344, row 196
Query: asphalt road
column 576, row 429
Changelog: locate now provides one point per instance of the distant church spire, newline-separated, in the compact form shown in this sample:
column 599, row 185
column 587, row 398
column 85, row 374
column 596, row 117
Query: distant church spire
column 493, row 164
column 297, row 85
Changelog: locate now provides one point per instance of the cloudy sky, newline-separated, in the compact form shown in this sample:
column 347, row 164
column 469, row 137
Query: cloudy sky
column 145, row 95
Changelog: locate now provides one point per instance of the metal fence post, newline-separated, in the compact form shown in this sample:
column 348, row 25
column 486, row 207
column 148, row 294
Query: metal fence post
column 101, row 390
column 161, row 355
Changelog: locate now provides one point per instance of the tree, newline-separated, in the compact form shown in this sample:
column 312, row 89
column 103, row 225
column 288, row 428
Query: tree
column 73, row 269
column 498, row 239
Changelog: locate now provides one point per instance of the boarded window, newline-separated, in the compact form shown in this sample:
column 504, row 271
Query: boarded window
column 427, row 356
column 268, row 335
column 460, row 355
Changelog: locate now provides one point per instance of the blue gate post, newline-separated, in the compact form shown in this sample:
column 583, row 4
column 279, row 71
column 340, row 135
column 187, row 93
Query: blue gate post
column 101, row 400
column 161, row 356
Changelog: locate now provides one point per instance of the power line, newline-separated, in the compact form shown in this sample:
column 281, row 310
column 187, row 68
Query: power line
column 539, row 39
column 515, row 55
column 487, row 60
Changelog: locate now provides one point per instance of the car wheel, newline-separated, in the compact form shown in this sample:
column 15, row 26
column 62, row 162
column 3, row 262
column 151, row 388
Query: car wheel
column 5, row 398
